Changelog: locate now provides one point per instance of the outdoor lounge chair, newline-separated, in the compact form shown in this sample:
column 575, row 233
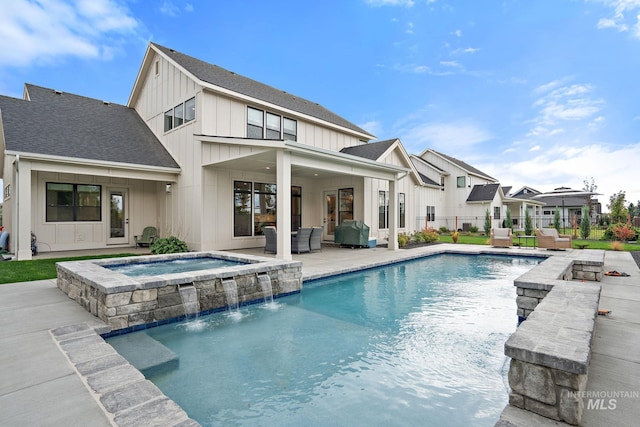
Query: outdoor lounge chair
column 300, row 242
column 271, row 239
column 549, row 238
column 148, row 236
column 4, row 242
column 502, row 237
column 315, row 241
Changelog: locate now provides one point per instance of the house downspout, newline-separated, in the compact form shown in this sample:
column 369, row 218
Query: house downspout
column 16, row 211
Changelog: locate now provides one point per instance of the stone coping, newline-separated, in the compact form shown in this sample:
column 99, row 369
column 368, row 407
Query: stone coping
column 111, row 282
column 556, row 269
column 558, row 333
column 126, row 397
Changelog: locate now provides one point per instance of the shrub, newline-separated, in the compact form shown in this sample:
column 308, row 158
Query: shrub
column 585, row 223
column 403, row 239
column 487, row 223
column 620, row 232
column 623, row 232
column 169, row 245
column 508, row 222
column 617, row 246
column 473, row 229
column 429, row 235
column 556, row 220
column 443, row 229
column 528, row 223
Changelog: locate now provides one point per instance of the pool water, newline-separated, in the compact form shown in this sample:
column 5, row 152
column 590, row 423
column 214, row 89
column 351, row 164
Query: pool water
column 172, row 266
column 417, row 343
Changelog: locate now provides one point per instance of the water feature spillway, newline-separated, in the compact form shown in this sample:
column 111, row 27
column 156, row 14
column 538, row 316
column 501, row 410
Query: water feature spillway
column 189, row 297
column 265, row 284
column 231, row 290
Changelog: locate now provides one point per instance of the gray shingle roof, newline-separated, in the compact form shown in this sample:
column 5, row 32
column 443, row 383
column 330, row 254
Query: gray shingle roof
column 371, row 151
column 553, row 200
column 483, row 193
column 465, row 166
column 62, row 124
column 427, row 180
column 229, row 80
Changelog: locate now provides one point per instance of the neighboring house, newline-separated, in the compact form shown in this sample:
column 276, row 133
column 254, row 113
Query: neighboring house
column 569, row 203
column 467, row 192
column 201, row 153
column 521, row 201
column 414, row 202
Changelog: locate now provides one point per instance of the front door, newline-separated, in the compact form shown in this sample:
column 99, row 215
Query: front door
column 329, row 215
column 118, row 217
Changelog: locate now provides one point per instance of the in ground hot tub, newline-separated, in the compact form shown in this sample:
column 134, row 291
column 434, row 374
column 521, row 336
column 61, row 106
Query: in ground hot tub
column 153, row 294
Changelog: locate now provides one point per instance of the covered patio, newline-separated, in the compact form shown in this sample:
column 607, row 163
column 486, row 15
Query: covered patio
column 319, row 173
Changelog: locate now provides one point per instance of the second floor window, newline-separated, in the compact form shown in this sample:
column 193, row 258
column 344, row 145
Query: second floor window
column 180, row 114
column 255, row 123
column 277, row 127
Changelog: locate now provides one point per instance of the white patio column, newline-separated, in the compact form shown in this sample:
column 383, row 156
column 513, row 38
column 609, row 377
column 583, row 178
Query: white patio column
column 283, row 195
column 20, row 241
column 393, row 217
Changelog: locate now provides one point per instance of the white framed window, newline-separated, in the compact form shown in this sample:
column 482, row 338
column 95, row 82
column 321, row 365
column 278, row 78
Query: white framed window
column 266, row 125
column 180, row 114
column 462, row 181
column 290, row 129
column 190, row 110
column 255, row 123
column 273, row 126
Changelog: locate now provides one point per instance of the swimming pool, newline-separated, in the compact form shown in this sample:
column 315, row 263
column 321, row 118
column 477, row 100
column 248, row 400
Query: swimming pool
column 409, row 344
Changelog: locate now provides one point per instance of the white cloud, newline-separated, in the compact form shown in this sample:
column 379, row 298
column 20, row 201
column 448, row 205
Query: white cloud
column 620, row 19
column 378, row 3
column 558, row 102
column 412, row 68
column 374, row 127
column 454, row 64
column 568, row 166
column 409, row 29
column 168, row 8
column 465, row 50
column 42, row 32
column 446, row 137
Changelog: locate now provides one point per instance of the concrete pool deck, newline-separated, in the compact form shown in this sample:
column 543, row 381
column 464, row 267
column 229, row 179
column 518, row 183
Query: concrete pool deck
column 40, row 386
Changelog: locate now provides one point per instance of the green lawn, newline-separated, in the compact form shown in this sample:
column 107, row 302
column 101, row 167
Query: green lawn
column 39, row 269
column 590, row 244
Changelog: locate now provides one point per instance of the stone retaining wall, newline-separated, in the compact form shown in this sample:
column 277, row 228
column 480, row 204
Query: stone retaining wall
column 123, row 302
column 551, row 349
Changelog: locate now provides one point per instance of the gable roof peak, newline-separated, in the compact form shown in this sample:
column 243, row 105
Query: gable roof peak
column 211, row 75
column 467, row 167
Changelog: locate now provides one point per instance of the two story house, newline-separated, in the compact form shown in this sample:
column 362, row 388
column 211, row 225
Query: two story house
column 201, row 153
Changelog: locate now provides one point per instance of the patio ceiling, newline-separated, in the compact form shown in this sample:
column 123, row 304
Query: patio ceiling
column 308, row 162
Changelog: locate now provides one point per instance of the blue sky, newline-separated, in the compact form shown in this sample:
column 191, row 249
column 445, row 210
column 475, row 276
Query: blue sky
column 541, row 93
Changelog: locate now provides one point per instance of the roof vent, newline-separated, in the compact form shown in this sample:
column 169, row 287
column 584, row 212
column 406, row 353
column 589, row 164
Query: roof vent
column 106, row 102
column 57, row 92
